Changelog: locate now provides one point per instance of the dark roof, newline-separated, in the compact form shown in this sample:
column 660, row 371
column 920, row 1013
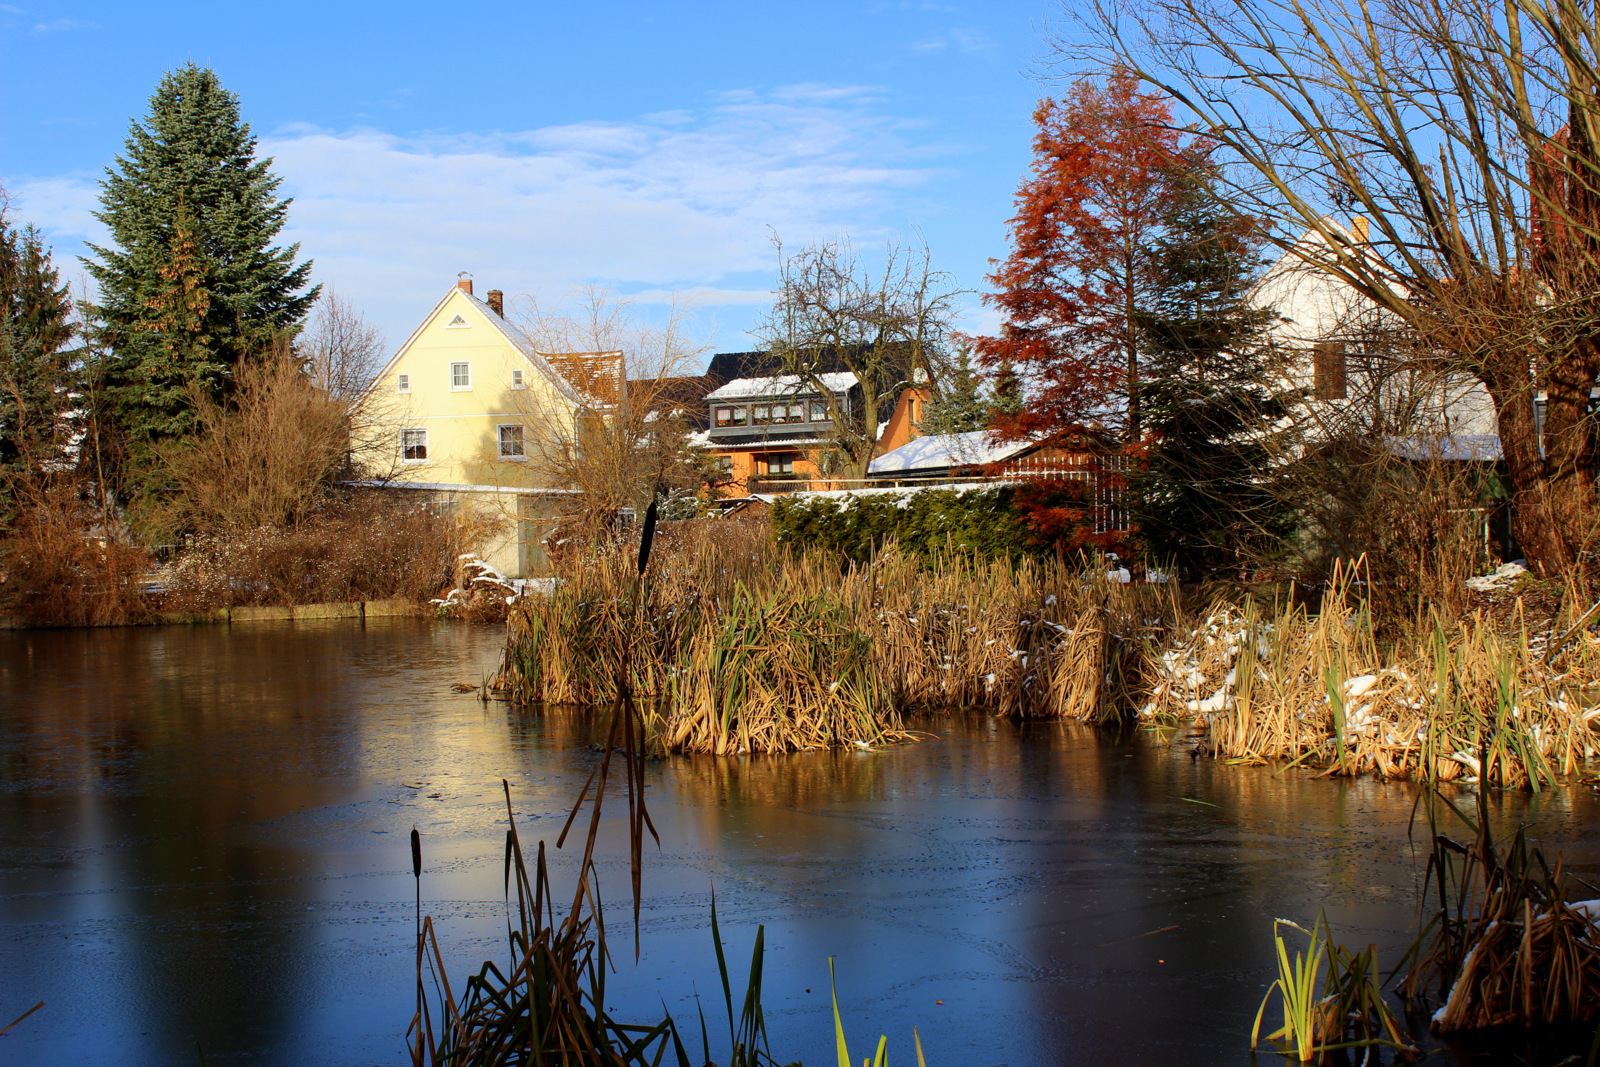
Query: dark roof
column 729, row 366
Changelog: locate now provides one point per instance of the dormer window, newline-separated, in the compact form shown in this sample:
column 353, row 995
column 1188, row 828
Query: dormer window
column 730, row 416
column 516, row 380
column 403, row 383
column 819, row 411
column 457, row 323
column 760, row 415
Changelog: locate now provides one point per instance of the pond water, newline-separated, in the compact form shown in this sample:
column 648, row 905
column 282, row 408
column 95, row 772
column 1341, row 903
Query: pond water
column 203, row 845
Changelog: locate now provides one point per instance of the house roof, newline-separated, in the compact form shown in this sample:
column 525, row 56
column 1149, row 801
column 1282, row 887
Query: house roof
column 944, row 451
column 724, row 367
column 1464, row 447
column 782, row 385
column 509, row 330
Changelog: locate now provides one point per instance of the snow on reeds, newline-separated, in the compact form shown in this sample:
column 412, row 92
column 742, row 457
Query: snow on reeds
column 774, row 651
column 1448, row 699
column 777, row 652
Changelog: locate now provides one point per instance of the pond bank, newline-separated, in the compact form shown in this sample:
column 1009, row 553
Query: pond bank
column 354, row 609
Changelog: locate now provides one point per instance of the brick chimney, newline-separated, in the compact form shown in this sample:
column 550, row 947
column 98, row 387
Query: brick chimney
column 464, row 282
column 497, row 302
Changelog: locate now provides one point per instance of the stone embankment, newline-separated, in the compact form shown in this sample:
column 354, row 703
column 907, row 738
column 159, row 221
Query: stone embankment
column 355, row 609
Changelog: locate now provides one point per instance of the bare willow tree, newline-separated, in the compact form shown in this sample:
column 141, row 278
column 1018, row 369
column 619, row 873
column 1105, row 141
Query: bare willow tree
column 626, row 439
column 1469, row 134
column 882, row 324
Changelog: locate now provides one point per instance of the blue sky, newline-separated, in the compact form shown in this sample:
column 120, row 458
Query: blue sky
column 645, row 147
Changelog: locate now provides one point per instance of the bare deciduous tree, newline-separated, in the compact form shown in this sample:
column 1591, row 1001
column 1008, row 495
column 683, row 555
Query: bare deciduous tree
column 342, row 350
column 627, row 440
column 1468, row 135
column 833, row 308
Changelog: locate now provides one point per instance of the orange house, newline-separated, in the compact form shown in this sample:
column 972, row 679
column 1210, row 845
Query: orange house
column 773, row 434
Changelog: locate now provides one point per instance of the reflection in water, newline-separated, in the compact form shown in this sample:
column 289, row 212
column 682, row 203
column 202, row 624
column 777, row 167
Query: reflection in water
column 202, row 837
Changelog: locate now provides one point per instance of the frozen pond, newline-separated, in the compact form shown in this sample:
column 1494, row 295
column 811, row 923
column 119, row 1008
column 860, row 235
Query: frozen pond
column 203, row 840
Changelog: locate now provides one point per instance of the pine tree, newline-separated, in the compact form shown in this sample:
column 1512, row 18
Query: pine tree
column 193, row 284
column 1210, row 396
column 959, row 406
column 34, row 333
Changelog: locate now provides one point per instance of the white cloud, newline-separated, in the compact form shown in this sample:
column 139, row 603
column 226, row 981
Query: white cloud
column 677, row 201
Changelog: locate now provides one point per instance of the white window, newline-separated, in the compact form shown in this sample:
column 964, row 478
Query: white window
column 414, row 445
column 457, row 323
column 511, row 442
column 516, row 380
column 460, row 376
column 403, row 383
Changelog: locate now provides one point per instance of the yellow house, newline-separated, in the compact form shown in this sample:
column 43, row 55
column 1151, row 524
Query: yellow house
column 467, row 413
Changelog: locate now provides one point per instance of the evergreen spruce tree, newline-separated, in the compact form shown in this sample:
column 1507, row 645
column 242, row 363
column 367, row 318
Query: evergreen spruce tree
column 959, row 406
column 34, row 360
column 1211, row 396
column 193, row 284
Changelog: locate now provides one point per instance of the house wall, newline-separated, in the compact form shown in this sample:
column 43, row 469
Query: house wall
column 462, row 424
column 1314, row 307
column 902, row 427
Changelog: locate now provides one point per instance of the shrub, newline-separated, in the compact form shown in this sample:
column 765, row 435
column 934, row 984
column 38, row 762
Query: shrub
column 59, row 567
column 367, row 546
column 984, row 522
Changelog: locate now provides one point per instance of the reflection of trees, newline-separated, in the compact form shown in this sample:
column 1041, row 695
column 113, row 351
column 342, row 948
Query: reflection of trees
column 140, row 766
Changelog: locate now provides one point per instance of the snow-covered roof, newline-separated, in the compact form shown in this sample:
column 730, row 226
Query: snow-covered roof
column 942, row 451
column 782, row 385
column 1482, row 447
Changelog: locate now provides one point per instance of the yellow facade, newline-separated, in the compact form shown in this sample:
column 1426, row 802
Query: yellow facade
column 469, row 412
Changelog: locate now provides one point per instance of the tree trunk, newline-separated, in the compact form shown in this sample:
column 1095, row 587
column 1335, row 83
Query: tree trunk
column 1533, row 517
column 1570, row 452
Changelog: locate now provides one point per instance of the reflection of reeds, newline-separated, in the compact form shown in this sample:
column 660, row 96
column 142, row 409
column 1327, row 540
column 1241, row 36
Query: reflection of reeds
column 1447, row 700
column 778, row 652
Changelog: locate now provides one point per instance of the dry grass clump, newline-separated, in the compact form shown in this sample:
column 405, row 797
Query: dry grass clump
column 746, row 648
column 1447, row 700
column 367, row 546
column 1505, row 945
column 60, row 567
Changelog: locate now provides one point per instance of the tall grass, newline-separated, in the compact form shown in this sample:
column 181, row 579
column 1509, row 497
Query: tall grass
column 1504, row 944
column 774, row 650
column 1446, row 699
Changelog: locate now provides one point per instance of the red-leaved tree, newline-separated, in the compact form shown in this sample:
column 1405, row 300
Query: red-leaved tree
column 1107, row 162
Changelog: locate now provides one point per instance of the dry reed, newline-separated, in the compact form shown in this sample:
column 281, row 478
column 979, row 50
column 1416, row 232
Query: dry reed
column 767, row 651
column 1505, row 945
column 1449, row 699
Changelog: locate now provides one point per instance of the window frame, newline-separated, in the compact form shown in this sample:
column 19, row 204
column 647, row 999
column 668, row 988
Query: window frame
column 518, row 379
column 519, row 456
column 406, row 445
column 819, row 411
column 402, row 383
column 466, row 365
column 778, row 464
